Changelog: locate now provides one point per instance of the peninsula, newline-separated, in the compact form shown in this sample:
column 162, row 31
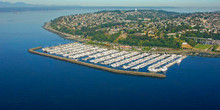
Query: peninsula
column 144, row 30
column 134, row 42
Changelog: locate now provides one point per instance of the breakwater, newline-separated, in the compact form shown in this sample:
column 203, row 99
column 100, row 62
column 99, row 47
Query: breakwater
column 156, row 75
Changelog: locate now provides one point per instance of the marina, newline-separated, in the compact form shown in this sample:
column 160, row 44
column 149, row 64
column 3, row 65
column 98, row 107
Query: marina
column 114, row 60
column 38, row 81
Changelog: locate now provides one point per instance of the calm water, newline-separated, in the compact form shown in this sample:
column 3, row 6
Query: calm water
column 29, row 81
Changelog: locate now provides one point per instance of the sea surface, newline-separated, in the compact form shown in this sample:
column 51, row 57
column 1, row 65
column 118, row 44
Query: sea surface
column 32, row 82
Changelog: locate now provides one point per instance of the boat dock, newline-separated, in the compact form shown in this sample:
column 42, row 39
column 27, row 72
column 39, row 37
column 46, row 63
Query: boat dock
column 115, row 60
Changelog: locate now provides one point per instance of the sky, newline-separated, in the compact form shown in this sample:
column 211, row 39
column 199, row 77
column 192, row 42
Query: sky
column 175, row 3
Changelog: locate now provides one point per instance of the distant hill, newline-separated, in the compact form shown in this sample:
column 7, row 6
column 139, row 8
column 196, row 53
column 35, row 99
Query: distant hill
column 17, row 4
column 21, row 6
column 218, row 11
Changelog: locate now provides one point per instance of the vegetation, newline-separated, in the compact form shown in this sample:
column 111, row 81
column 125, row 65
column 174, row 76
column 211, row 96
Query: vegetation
column 215, row 47
column 202, row 46
column 149, row 41
column 146, row 49
column 202, row 35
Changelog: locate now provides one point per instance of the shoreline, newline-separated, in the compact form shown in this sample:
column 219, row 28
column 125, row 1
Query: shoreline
column 47, row 27
column 198, row 53
column 154, row 75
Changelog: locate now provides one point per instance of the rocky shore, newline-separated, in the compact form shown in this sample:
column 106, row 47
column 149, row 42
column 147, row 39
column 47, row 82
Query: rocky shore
column 64, row 35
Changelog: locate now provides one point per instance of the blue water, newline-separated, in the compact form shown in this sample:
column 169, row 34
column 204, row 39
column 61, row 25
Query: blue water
column 32, row 82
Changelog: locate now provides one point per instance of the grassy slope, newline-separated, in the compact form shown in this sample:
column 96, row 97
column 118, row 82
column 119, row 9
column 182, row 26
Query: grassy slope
column 202, row 46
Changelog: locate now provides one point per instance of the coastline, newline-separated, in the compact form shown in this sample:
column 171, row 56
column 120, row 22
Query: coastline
column 199, row 53
column 64, row 35
column 155, row 75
